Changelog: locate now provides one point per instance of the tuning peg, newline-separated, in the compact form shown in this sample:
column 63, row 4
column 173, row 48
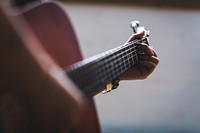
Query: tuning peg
column 134, row 25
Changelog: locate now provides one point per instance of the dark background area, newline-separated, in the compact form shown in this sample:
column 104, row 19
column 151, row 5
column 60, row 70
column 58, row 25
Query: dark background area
column 163, row 3
column 155, row 3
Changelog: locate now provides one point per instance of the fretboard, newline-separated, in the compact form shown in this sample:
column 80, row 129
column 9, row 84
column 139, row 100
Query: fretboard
column 92, row 74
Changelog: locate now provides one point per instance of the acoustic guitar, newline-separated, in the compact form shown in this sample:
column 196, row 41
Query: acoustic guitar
column 50, row 24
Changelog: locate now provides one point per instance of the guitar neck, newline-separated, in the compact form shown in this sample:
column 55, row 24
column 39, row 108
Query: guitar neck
column 92, row 74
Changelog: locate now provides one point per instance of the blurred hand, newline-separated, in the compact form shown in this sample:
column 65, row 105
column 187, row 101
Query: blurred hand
column 146, row 64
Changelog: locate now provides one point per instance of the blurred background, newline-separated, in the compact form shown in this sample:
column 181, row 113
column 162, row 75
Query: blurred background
column 169, row 100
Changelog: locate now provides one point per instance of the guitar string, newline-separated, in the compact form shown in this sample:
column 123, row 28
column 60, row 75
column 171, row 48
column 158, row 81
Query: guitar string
column 104, row 60
column 113, row 73
column 120, row 62
column 98, row 57
column 120, row 52
column 98, row 81
column 88, row 85
column 107, row 75
column 79, row 72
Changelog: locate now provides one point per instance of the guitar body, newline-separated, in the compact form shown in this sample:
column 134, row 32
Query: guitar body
column 51, row 26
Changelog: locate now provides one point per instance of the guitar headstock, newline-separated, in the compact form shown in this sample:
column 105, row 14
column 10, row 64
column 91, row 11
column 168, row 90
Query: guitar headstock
column 135, row 25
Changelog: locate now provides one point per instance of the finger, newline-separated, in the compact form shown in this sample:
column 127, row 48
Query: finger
column 155, row 54
column 148, row 64
column 145, row 48
column 136, row 36
column 139, row 35
column 153, row 59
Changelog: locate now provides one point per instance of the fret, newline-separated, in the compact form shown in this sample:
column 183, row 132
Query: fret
column 93, row 73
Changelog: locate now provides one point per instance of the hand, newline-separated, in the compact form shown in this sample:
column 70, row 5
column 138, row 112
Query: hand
column 146, row 64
